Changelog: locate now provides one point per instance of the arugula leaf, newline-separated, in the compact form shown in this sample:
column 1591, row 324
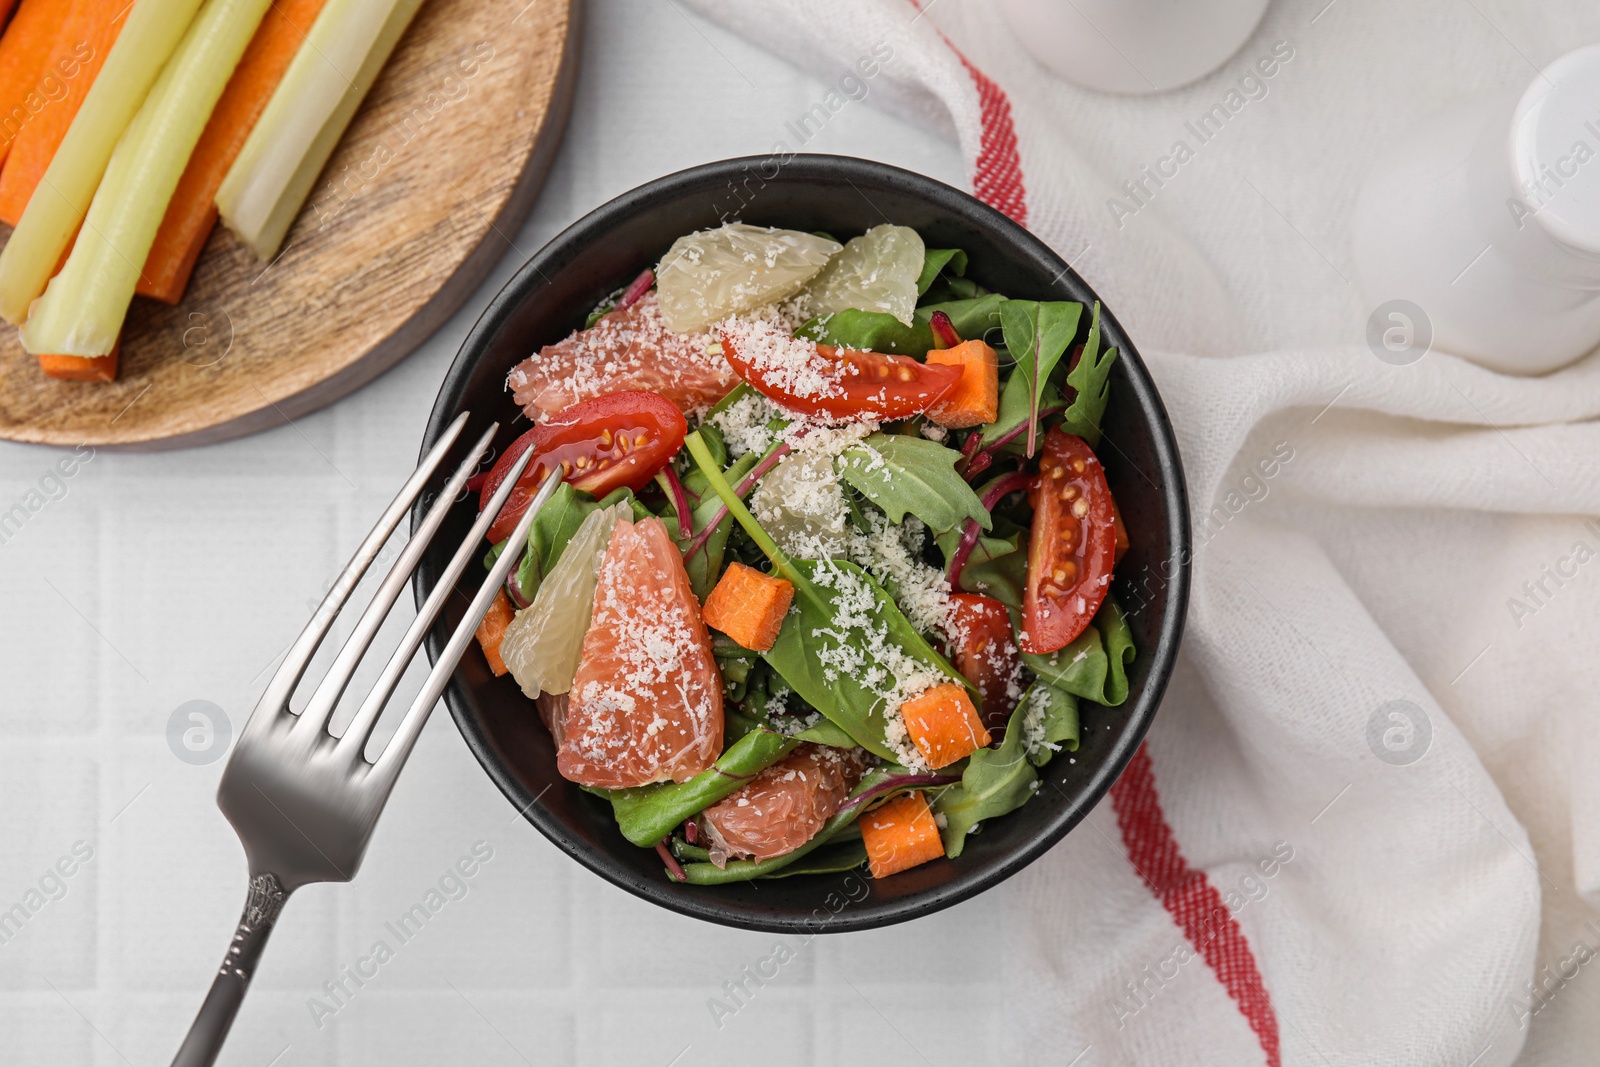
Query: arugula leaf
column 901, row 474
column 996, row 781
column 1094, row 666
column 937, row 260
column 1037, row 334
column 1058, row 721
column 878, row 331
column 821, row 628
column 1092, row 380
column 1016, row 403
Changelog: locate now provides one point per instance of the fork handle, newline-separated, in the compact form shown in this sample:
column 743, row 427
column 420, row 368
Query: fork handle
column 211, row 1025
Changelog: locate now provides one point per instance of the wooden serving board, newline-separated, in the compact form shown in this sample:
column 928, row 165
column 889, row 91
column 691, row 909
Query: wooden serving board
column 422, row 197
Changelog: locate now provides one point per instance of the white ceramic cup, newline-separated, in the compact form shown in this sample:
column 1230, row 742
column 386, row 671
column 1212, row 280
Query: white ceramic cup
column 1487, row 218
column 1133, row 46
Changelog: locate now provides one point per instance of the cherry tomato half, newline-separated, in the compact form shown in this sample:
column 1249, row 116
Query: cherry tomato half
column 1071, row 547
column 986, row 655
column 865, row 384
column 612, row 441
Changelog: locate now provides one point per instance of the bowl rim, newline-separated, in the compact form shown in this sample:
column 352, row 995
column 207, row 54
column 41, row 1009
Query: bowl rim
column 1140, row 713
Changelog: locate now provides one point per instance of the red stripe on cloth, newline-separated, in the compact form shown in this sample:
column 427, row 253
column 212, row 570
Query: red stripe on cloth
column 1193, row 902
column 997, row 178
column 997, row 174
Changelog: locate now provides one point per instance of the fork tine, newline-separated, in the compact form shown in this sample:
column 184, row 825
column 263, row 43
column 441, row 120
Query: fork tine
column 355, row 736
column 278, row 691
column 319, row 709
column 388, row 765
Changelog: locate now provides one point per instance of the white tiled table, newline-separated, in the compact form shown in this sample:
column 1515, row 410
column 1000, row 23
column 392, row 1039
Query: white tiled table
column 160, row 579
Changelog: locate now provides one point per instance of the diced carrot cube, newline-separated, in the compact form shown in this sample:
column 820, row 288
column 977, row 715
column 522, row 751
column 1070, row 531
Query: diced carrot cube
column 900, row 834
column 944, row 724
column 748, row 606
column 492, row 630
column 975, row 399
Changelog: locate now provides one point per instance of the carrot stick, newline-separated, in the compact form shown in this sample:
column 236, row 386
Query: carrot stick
column 24, row 52
column 83, row 368
column 492, row 631
column 192, row 211
column 5, row 10
column 81, row 47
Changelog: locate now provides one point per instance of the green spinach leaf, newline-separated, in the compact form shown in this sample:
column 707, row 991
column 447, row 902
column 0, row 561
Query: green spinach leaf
column 904, row 474
column 1092, row 380
column 827, row 859
column 1094, row 666
column 827, row 733
column 1057, row 721
column 882, row 332
column 937, row 260
column 841, row 626
column 648, row 813
column 552, row 528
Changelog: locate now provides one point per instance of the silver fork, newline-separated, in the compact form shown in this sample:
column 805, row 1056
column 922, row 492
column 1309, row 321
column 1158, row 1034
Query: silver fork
column 304, row 802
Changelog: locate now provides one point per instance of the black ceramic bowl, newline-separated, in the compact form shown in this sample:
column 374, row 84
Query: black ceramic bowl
column 551, row 295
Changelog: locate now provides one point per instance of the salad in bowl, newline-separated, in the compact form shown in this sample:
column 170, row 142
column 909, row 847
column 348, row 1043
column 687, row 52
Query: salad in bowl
column 827, row 582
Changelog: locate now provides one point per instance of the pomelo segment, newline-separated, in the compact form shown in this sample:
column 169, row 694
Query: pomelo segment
column 542, row 644
column 646, row 702
column 711, row 274
column 623, row 350
column 876, row 272
column 786, row 804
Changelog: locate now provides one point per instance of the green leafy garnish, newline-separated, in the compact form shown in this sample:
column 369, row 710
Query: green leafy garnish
column 1095, row 666
column 996, row 781
column 827, row 733
column 912, row 474
column 552, row 528
column 1037, row 334
column 826, row 651
column 1057, row 721
column 937, row 260
column 878, row 331
column 998, row 566
column 828, row 859
column 1092, row 380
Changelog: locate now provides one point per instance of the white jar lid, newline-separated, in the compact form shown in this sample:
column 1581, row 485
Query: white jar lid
column 1555, row 149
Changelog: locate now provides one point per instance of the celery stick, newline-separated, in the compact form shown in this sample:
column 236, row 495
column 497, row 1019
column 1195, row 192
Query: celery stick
column 82, row 310
column 152, row 31
column 306, row 116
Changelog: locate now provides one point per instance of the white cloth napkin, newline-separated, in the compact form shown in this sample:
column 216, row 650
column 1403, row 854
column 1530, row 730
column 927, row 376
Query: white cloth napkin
column 1365, row 827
